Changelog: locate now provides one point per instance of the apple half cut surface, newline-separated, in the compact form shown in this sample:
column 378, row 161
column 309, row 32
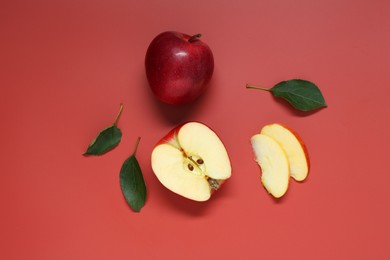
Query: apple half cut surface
column 191, row 161
column 273, row 162
column 294, row 148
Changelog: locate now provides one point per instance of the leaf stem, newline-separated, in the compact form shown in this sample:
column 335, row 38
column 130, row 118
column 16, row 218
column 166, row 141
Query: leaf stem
column 136, row 145
column 256, row 87
column 119, row 113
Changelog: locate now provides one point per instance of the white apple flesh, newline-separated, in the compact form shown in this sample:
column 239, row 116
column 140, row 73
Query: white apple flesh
column 191, row 161
column 294, row 148
column 273, row 163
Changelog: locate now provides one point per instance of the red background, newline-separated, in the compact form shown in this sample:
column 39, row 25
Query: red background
column 66, row 66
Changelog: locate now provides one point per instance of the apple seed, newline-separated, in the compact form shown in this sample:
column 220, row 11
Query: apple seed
column 199, row 161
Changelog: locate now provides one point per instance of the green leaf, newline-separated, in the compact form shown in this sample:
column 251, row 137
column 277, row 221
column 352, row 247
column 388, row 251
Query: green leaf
column 132, row 182
column 302, row 94
column 107, row 139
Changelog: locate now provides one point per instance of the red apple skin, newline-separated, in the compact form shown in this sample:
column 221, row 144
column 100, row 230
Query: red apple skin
column 170, row 136
column 178, row 67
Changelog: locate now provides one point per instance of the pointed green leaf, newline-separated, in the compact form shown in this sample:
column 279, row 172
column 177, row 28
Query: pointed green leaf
column 105, row 141
column 302, row 94
column 132, row 182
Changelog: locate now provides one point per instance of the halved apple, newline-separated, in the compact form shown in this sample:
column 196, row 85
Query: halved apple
column 191, row 161
column 294, row 148
column 273, row 162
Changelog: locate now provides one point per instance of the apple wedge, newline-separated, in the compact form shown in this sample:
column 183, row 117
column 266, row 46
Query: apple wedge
column 294, row 148
column 273, row 163
column 191, row 161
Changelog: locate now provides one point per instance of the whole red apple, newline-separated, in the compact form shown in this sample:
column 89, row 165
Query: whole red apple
column 178, row 67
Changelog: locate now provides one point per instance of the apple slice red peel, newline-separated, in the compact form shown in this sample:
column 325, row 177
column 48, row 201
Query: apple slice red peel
column 294, row 148
column 280, row 153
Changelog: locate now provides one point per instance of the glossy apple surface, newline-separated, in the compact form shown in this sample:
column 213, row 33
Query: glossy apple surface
column 191, row 161
column 178, row 67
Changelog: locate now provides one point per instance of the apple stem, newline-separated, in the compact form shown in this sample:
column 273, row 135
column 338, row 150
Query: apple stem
column 214, row 184
column 256, row 87
column 194, row 37
column 119, row 113
column 136, row 145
